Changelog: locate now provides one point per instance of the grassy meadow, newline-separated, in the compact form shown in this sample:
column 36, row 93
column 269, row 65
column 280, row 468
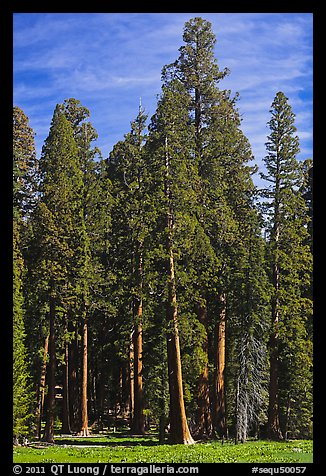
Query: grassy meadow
column 115, row 448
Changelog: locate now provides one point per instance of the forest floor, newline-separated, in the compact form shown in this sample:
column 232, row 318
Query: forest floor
column 123, row 448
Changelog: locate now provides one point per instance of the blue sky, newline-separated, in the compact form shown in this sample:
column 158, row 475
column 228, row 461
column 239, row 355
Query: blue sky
column 109, row 60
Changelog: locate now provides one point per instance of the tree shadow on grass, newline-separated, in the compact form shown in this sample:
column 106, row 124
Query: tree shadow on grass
column 126, row 441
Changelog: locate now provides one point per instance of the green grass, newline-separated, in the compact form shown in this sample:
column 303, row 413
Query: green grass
column 128, row 449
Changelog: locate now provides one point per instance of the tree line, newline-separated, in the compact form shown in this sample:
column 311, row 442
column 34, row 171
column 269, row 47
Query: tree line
column 159, row 286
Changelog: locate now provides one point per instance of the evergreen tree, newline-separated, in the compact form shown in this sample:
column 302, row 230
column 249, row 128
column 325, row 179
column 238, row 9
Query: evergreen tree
column 24, row 168
column 198, row 71
column 170, row 152
column 24, row 163
column 62, row 240
column 290, row 264
column 224, row 192
column 92, row 203
column 22, row 395
column 126, row 165
column 306, row 190
column 102, row 309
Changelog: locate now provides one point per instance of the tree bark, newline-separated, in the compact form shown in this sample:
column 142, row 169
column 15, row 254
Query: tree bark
column 203, row 414
column 179, row 431
column 41, row 389
column 73, row 389
column 138, row 417
column 65, row 411
column 49, row 426
column 178, row 422
column 219, row 410
column 273, row 423
column 84, row 413
column 131, row 379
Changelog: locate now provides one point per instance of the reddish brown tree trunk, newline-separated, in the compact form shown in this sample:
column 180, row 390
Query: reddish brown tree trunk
column 138, row 416
column 84, row 412
column 49, row 426
column 219, row 410
column 203, row 414
column 131, row 379
column 179, row 430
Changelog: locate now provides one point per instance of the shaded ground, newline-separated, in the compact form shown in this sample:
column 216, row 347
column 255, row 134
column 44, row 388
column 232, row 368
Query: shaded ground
column 121, row 441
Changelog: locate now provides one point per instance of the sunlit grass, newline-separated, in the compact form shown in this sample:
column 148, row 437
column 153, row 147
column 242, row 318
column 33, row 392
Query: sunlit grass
column 128, row 449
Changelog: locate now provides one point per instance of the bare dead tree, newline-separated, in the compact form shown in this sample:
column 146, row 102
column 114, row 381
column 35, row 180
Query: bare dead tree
column 251, row 391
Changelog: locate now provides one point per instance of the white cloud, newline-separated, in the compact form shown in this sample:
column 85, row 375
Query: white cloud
column 108, row 60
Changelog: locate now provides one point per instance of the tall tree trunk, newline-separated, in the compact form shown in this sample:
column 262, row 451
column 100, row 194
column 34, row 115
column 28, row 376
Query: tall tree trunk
column 50, row 417
column 41, row 389
column 179, row 431
column 131, row 379
column 65, row 411
column 198, row 123
column 84, row 412
column 219, row 410
column 73, row 389
column 178, row 421
column 138, row 417
column 273, row 423
column 203, row 413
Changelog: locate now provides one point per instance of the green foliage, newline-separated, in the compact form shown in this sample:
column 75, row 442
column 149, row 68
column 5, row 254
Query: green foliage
column 22, row 393
column 24, row 170
column 63, row 242
column 24, row 163
column 289, row 248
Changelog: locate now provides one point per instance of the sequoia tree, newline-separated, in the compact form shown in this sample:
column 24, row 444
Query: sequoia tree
column 170, row 167
column 197, row 69
column 91, row 205
column 126, row 165
column 62, row 239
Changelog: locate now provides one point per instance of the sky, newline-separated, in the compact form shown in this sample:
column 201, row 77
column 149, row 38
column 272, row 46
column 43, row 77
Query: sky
column 109, row 61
